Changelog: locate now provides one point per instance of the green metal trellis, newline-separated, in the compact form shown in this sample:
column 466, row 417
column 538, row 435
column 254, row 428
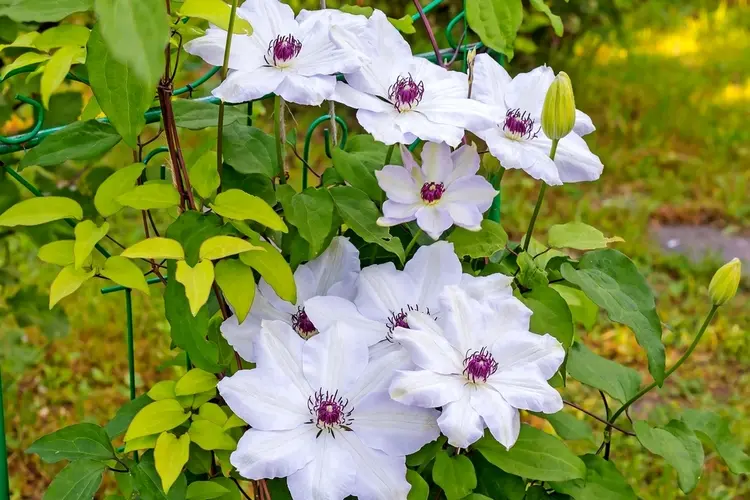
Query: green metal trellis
column 34, row 136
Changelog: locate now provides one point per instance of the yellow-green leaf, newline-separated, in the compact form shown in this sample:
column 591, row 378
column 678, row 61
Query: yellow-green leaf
column 238, row 205
column 24, row 40
column 274, row 269
column 197, row 282
column 23, row 60
column 210, row 436
column 213, row 413
column 149, row 196
column 232, row 422
column 40, row 210
column 204, row 175
column 57, row 252
column 162, row 390
column 194, row 382
column 218, row 247
column 216, row 12
column 62, row 35
column 67, row 281
column 202, row 397
column 141, row 443
column 56, row 69
column 123, row 272
column 155, row 418
column 237, row 282
column 155, row 248
column 122, row 181
column 205, row 490
column 170, row 456
column 87, row 236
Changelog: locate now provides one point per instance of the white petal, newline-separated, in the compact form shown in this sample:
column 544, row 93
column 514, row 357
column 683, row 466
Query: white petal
column 434, row 220
column 528, row 90
column 397, row 213
column 269, row 19
column 335, row 358
column 462, row 113
column 518, row 350
column 272, row 300
column 394, row 428
column 349, row 96
column 382, row 290
column 460, row 422
column 432, row 268
column 329, row 476
column 521, row 155
column 466, row 162
column 242, row 336
column 379, row 372
column 398, row 184
column 489, row 289
column 573, row 159
column 428, row 350
column 319, row 55
column 502, row 419
column 269, row 454
column 263, row 401
column 335, row 270
column 243, row 86
column 465, row 215
column 416, row 124
column 473, row 190
column 526, row 389
column 437, row 164
column 306, row 90
column 278, row 352
column 245, row 54
column 385, row 38
column 583, row 125
column 325, row 311
column 378, row 476
column 462, row 319
column 383, row 125
column 490, row 81
column 426, row 389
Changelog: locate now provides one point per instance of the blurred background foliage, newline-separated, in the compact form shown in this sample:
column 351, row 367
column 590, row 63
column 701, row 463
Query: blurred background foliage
column 668, row 86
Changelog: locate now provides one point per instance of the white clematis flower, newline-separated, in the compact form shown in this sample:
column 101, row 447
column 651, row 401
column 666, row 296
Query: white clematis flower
column 321, row 416
column 444, row 191
column 480, row 366
column 295, row 59
column 333, row 272
column 519, row 141
column 401, row 98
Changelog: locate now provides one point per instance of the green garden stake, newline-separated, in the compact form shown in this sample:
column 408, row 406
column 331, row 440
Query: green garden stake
column 131, row 347
column 4, row 485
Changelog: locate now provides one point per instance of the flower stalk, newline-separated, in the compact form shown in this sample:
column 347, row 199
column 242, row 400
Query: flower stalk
column 278, row 128
column 539, row 200
column 223, row 76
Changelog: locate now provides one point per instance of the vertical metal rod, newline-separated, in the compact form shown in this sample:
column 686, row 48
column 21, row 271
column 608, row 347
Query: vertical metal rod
column 131, row 347
column 4, row 481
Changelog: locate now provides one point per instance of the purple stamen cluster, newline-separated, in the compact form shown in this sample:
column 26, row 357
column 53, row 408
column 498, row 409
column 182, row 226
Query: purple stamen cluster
column 283, row 49
column 302, row 324
column 406, row 93
column 519, row 124
column 329, row 411
column 479, row 365
column 432, row 191
column 398, row 319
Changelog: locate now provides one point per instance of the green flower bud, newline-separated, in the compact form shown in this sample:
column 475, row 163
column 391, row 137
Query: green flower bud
column 559, row 111
column 724, row 284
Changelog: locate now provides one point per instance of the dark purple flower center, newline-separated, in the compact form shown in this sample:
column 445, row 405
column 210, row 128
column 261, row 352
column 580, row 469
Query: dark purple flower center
column 302, row 324
column 519, row 125
column 398, row 319
column 432, row 191
column 479, row 365
column 329, row 411
column 406, row 93
column 283, row 49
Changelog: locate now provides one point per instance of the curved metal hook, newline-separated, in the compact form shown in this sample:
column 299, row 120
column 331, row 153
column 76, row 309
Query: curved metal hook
column 308, row 136
column 39, row 120
column 150, row 155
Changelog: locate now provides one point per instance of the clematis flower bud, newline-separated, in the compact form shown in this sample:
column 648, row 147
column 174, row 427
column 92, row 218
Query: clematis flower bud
column 559, row 111
column 724, row 284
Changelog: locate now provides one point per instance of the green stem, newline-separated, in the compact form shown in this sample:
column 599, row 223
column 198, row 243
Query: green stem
column 494, row 213
column 389, row 154
column 413, row 242
column 223, row 75
column 539, row 200
column 4, row 485
column 131, row 344
column 277, row 110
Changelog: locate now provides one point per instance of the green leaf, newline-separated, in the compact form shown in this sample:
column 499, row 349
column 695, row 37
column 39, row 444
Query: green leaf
column 202, row 397
column 155, row 418
column 233, row 422
column 361, row 215
column 274, row 269
column 554, row 20
column 496, row 22
column 150, row 196
column 170, row 456
column 87, row 236
column 249, row 150
column 531, row 275
column 162, row 390
column 43, row 10
column 78, row 141
column 59, row 36
column 584, row 311
column 715, row 429
column 79, row 480
column 123, row 272
column 496, row 483
column 218, row 247
column 195, row 115
column 404, row 24
column 426, row 453
column 79, row 441
column 216, row 12
column 205, row 490
column 313, row 216
column 475, row 244
column 210, row 436
column 213, row 413
column 613, row 282
column 56, row 69
column 454, row 474
column 40, row 210
column 536, row 455
column 141, row 443
column 194, row 382
column 122, row 96
column 603, row 481
column 568, row 427
column 23, row 60
column 155, row 248
column 238, row 205
column 136, row 32
column 197, row 282
column 226, row 482
column 419, row 487
column 359, row 171
column 204, row 175
column 551, row 314
column 237, row 282
column 255, row 184
column 57, row 252
column 119, row 424
column 67, row 282
column 147, row 483
column 679, row 446
column 587, row 367
column 122, row 181
column 578, row 236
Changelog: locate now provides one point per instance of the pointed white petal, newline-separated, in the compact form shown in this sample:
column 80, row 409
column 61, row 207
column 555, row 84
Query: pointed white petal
column 319, row 55
column 432, row 268
column 278, row 352
column 583, row 125
column 490, row 81
column 527, row 91
column 489, row 289
column 521, row 155
column 460, row 422
column 461, row 112
column 462, row 319
column 465, row 215
column 378, row 476
column 473, row 190
column 416, row 124
column 518, row 350
column 379, row 373
column 397, row 213
column 466, row 162
column 269, row 454
column 329, row 476
column 349, row 96
column 398, row 184
column 324, row 312
column 335, row 358
column 269, row 19
column 335, row 270
column 527, row 389
column 426, row 389
column 428, row 350
column 383, row 290
column 437, row 164
column 306, row 90
column 434, row 220
column 242, row 336
column 245, row 54
column 573, row 159
column 502, row 419
column 243, row 86
column 383, row 125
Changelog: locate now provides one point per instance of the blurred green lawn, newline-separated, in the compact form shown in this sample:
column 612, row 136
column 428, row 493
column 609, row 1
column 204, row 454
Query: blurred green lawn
column 670, row 97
